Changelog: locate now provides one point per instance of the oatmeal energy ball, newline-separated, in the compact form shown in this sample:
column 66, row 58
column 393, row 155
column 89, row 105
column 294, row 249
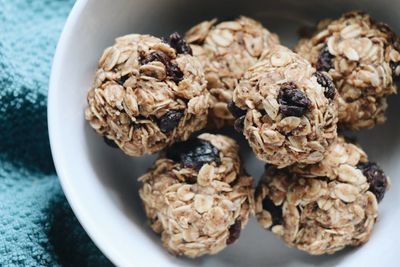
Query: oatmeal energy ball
column 286, row 109
column 325, row 207
column 148, row 93
column 227, row 50
column 197, row 196
column 362, row 56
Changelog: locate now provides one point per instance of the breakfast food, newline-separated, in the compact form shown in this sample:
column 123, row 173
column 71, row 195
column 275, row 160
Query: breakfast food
column 227, row 50
column 286, row 109
column 362, row 56
column 148, row 93
column 322, row 208
column 319, row 192
column 197, row 195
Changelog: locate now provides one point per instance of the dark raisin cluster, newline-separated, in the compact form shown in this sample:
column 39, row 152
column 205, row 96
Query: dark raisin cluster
column 324, row 62
column 376, row 178
column 172, row 69
column 292, row 101
column 193, row 153
column 170, row 120
column 235, row 110
column 176, row 41
column 267, row 204
column 326, row 83
column 234, row 232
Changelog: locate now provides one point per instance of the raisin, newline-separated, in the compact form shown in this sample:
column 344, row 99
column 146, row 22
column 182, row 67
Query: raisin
column 170, row 120
column 190, row 179
column 327, row 84
column 324, row 62
column 292, row 101
column 110, row 142
column 176, row 41
column 193, row 153
column 174, row 72
column 234, row 232
column 239, row 124
column 123, row 79
column 275, row 211
column 172, row 69
column 157, row 55
column 376, row 178
column 235, row 110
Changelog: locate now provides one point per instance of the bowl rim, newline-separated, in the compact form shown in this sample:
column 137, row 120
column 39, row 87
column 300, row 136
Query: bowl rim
column 86, row 222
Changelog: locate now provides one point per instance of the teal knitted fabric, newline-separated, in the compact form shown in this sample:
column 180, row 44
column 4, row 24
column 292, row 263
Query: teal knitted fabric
column 37, row 227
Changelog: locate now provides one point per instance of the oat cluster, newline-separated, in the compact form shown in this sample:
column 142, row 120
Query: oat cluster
column 197, row 196
column 289, row 112
column 362, row 56
column 147, row 94
column 322, row 208
column 227, row 50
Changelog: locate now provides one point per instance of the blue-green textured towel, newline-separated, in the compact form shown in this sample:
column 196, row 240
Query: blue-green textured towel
column 37, row 226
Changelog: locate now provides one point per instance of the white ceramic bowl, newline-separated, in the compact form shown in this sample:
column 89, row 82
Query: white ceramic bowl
column 100, row 182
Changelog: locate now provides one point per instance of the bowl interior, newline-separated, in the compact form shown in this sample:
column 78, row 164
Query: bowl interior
column 100, row 182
